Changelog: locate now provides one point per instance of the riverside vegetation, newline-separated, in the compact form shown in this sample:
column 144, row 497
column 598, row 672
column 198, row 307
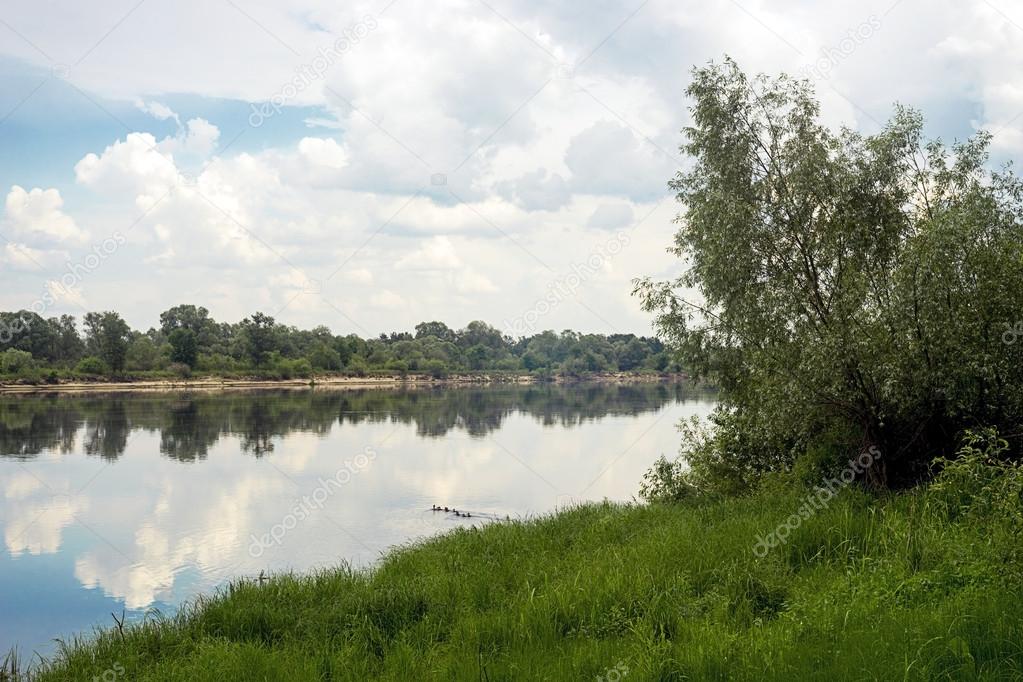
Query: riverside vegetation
column 190, row 342
column 852, row 294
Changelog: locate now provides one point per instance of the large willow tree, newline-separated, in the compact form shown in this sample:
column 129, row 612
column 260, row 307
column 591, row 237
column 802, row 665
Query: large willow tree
column 846, row 291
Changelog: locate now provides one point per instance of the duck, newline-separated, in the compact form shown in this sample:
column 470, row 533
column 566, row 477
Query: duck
column 446, row 509
column 468, row 515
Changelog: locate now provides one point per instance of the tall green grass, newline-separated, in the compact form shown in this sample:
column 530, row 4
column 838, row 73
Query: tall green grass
column 900, row 587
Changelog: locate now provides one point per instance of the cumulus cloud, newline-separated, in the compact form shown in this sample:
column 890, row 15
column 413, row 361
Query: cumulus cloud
column 134, row 165
column 37, row 214
column 198, row 138
column 24, row 257
column 323, row 152
column 452, row 151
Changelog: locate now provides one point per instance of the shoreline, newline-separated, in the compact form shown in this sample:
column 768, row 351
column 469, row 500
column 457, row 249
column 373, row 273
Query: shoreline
column 329, row 381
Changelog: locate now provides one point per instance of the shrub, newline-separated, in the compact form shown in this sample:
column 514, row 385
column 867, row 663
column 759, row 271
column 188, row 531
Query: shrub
column 357, row 366
column 436, row 368
column 668, row 481
column 179, row 369
column 399, row 366
column 322, row 356
column 92, row 365
column 288, row 369
column 978, row 481
column 14, row 361
column 217, row 362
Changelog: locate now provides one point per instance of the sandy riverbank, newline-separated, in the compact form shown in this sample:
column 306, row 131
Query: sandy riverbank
column 323, row 381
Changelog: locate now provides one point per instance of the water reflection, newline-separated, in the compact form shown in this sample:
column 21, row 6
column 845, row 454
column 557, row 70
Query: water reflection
column 190, row 424
column 138, row 500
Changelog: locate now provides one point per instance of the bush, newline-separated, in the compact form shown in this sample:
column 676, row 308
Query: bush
column 668, row 481
column 357, row 366
column 92, row 366
column 14, row 361
column 436, row 369
column 399, row 366
column 324, row 357
column 289, row 369
column 218, row 362
column 179, row 369
column 978, row 481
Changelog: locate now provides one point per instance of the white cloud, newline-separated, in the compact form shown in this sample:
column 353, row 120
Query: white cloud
column 158, row 111
column 436, row 253
column 323, row 152
column 38, row 214
column 22, row 257
column 452, row 151
column 133, row 166
column 388, row 299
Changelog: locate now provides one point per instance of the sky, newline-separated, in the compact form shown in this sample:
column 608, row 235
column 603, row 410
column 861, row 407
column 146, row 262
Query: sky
column 370, row 165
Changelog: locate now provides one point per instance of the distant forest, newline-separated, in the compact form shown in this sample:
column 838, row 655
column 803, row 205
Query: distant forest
column 189, row 341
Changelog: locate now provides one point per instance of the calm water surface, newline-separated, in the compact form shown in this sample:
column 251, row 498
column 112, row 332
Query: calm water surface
column 141, row 501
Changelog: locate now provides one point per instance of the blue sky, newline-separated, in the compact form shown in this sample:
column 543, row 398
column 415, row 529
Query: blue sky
column 370, row 165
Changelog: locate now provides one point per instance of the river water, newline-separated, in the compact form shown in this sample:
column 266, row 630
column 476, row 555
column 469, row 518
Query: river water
column 136, row 501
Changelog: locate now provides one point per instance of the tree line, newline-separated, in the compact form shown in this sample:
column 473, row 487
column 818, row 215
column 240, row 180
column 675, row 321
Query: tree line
column 189, row 340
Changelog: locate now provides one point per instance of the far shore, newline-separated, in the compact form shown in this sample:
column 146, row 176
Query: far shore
column 213, row 383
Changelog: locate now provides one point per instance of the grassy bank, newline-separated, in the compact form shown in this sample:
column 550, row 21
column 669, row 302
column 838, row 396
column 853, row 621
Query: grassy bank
column 926, row 584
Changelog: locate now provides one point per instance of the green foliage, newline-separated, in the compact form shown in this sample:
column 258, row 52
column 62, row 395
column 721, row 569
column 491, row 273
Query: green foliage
column 92, row 365
column 258, row 334
column 668, row 481
column 852, row 291
column 108, row 336
column 188, row 335
column 357, row 366
column 142, row 354
column 978, row 481
column 13, row 361
column 286, row 368
column 218, row 362
column 324, row 357
column 180, row 370
column 184, row 346
column 436, row 368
